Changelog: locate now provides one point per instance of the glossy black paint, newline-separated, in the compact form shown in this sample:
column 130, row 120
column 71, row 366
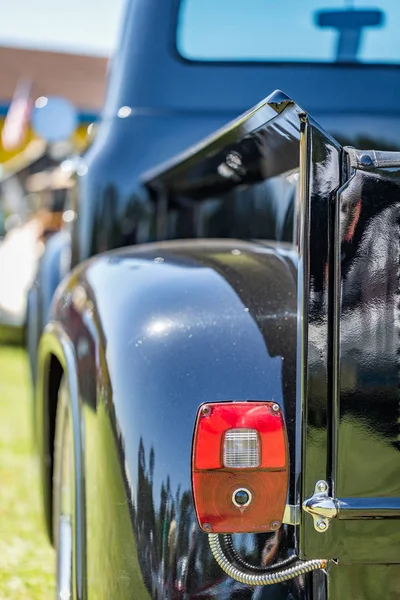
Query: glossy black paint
column 367, row 453
column 321, row 178
column 239, row 167
column 350, row 351
column 192, row 322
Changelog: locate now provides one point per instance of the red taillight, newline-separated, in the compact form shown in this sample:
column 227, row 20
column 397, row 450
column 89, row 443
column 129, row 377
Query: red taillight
column 240, row 467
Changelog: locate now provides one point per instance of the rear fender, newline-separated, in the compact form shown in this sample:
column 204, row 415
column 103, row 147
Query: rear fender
column 163, row 328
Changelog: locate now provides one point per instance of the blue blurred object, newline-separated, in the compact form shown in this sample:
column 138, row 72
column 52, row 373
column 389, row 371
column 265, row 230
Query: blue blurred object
column 54, row 118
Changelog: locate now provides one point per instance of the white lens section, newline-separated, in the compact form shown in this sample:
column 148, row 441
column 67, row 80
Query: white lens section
column 241, row 448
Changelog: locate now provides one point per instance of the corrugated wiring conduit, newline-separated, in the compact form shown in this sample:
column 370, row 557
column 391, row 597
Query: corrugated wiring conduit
column 237, row 558
column 260, row 578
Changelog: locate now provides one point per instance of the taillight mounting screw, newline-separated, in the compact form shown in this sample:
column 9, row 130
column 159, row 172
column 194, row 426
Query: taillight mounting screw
column 206, row 410
column 207, row 527
column 275, row 407
column 275, row 524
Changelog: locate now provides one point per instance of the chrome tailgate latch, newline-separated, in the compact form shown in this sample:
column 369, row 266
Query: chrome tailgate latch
column 321, row 507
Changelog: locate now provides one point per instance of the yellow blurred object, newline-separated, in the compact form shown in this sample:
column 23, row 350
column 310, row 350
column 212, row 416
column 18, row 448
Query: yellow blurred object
column 79, row 140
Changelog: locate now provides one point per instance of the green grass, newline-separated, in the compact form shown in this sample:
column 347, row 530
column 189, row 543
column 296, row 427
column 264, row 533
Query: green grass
column 26, row 557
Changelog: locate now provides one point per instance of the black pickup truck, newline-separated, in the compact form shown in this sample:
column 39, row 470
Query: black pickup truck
column 217, row 407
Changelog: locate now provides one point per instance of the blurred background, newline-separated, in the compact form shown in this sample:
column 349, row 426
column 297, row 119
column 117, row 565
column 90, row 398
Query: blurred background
column 47, row 48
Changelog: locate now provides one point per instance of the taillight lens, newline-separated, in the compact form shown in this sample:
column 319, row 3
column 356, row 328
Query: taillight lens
column 240, row 467
column 241, row 448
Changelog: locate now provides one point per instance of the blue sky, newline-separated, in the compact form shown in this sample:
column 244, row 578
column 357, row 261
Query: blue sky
column 88, row 26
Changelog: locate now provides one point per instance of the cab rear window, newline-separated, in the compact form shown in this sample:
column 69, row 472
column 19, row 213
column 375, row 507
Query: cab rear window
column 327, row 31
